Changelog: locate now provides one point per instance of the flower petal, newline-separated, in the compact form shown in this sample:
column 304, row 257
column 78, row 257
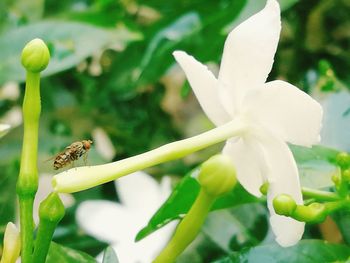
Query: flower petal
column 287, row 111
column 106, row 220
column 140, row 192
column 249, row 51
column 246, row 158
column 205, row 87
column 283, row 178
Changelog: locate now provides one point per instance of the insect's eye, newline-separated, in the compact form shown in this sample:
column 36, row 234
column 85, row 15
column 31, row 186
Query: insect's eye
column 87, row 145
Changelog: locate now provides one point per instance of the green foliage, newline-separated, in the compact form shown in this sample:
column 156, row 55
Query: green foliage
column 182, row 198
column 69, row 44
column 58, row 253
column 108, row 62
column 307, row 251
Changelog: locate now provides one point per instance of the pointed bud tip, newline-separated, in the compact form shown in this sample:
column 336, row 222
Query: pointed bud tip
column 52, row 208
column 217, row 175
column 35, row 56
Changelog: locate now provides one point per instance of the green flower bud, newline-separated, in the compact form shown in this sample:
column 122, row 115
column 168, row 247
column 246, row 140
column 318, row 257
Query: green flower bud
column 35, row 56
column 346, row 175
column 52, row 208
column 217, row 175
column 284, row 205
column 336, row 179
column 264, row 188
column 343, row 160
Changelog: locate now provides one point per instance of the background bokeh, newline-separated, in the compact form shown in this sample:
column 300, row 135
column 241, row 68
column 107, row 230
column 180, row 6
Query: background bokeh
column 112, row 78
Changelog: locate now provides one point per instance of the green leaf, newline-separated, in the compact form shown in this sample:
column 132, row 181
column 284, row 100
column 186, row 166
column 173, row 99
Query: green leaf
column 306, row 251
column 8, row 178
column 182, row 198
column 60, row 254
column 241, row 226
column 342, row 218
column 109, row 256
column 69, row 44
column 316, row 165
column 336, row 120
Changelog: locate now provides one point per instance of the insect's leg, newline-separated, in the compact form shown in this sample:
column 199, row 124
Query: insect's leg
column 85, row 158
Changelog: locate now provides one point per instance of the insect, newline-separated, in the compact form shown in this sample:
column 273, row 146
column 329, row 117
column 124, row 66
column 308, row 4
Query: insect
column 72, row 153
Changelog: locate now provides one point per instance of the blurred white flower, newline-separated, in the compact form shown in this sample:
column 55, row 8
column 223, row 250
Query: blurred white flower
column 13, row 117
column 273, row 113
column 10, row 91
column 103, row 144
column 118, row 223
column 4, row 128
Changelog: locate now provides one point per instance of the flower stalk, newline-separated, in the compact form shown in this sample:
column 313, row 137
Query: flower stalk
column 35, row 57
column 82, row 178
column 217, row 176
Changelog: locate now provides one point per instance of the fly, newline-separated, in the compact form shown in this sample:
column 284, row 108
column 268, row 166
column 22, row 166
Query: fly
column 72, row 153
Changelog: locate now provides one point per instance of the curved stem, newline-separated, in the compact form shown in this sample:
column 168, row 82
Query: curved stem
column 319, row 195
column 188, row 228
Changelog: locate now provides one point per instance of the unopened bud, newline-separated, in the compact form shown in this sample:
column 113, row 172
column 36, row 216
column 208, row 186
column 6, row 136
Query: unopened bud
column 12, row 244
column 343, row 160
column 284, row 205
column 217, row 175
column 52, row 208
column 35, row 56
column 346, row 175
column 264, row 188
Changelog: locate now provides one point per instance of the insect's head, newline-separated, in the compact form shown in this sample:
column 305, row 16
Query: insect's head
column 87, row 144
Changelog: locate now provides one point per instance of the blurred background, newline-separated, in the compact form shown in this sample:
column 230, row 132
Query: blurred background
column 112, row 79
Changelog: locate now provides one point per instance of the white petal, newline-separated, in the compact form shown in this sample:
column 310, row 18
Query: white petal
column 249, row 51
column 107, row 221
column 140, row 192
column 204, row 85
column 283, row 179
column 287, row 111
column 246, row 158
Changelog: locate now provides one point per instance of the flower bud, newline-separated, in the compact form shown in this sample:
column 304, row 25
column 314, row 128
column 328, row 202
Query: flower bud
column 264, row 188
column 12, row 244
column 35, row 56
column 346, row 175
column 217, row 175
column 52, row 208
column 343, row 160
column 284, row 205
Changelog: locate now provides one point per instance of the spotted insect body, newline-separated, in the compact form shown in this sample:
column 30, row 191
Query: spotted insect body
column 72, row 153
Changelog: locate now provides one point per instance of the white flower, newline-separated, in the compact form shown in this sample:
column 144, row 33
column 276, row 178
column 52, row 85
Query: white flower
column 274, row 112
column 118, row 223
column 4, row 128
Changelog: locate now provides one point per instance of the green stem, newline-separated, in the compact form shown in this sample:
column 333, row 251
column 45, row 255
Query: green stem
column 43, row 240
column 188, row 228
column 319, row 195
column 82, row 178
column 27, row 183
